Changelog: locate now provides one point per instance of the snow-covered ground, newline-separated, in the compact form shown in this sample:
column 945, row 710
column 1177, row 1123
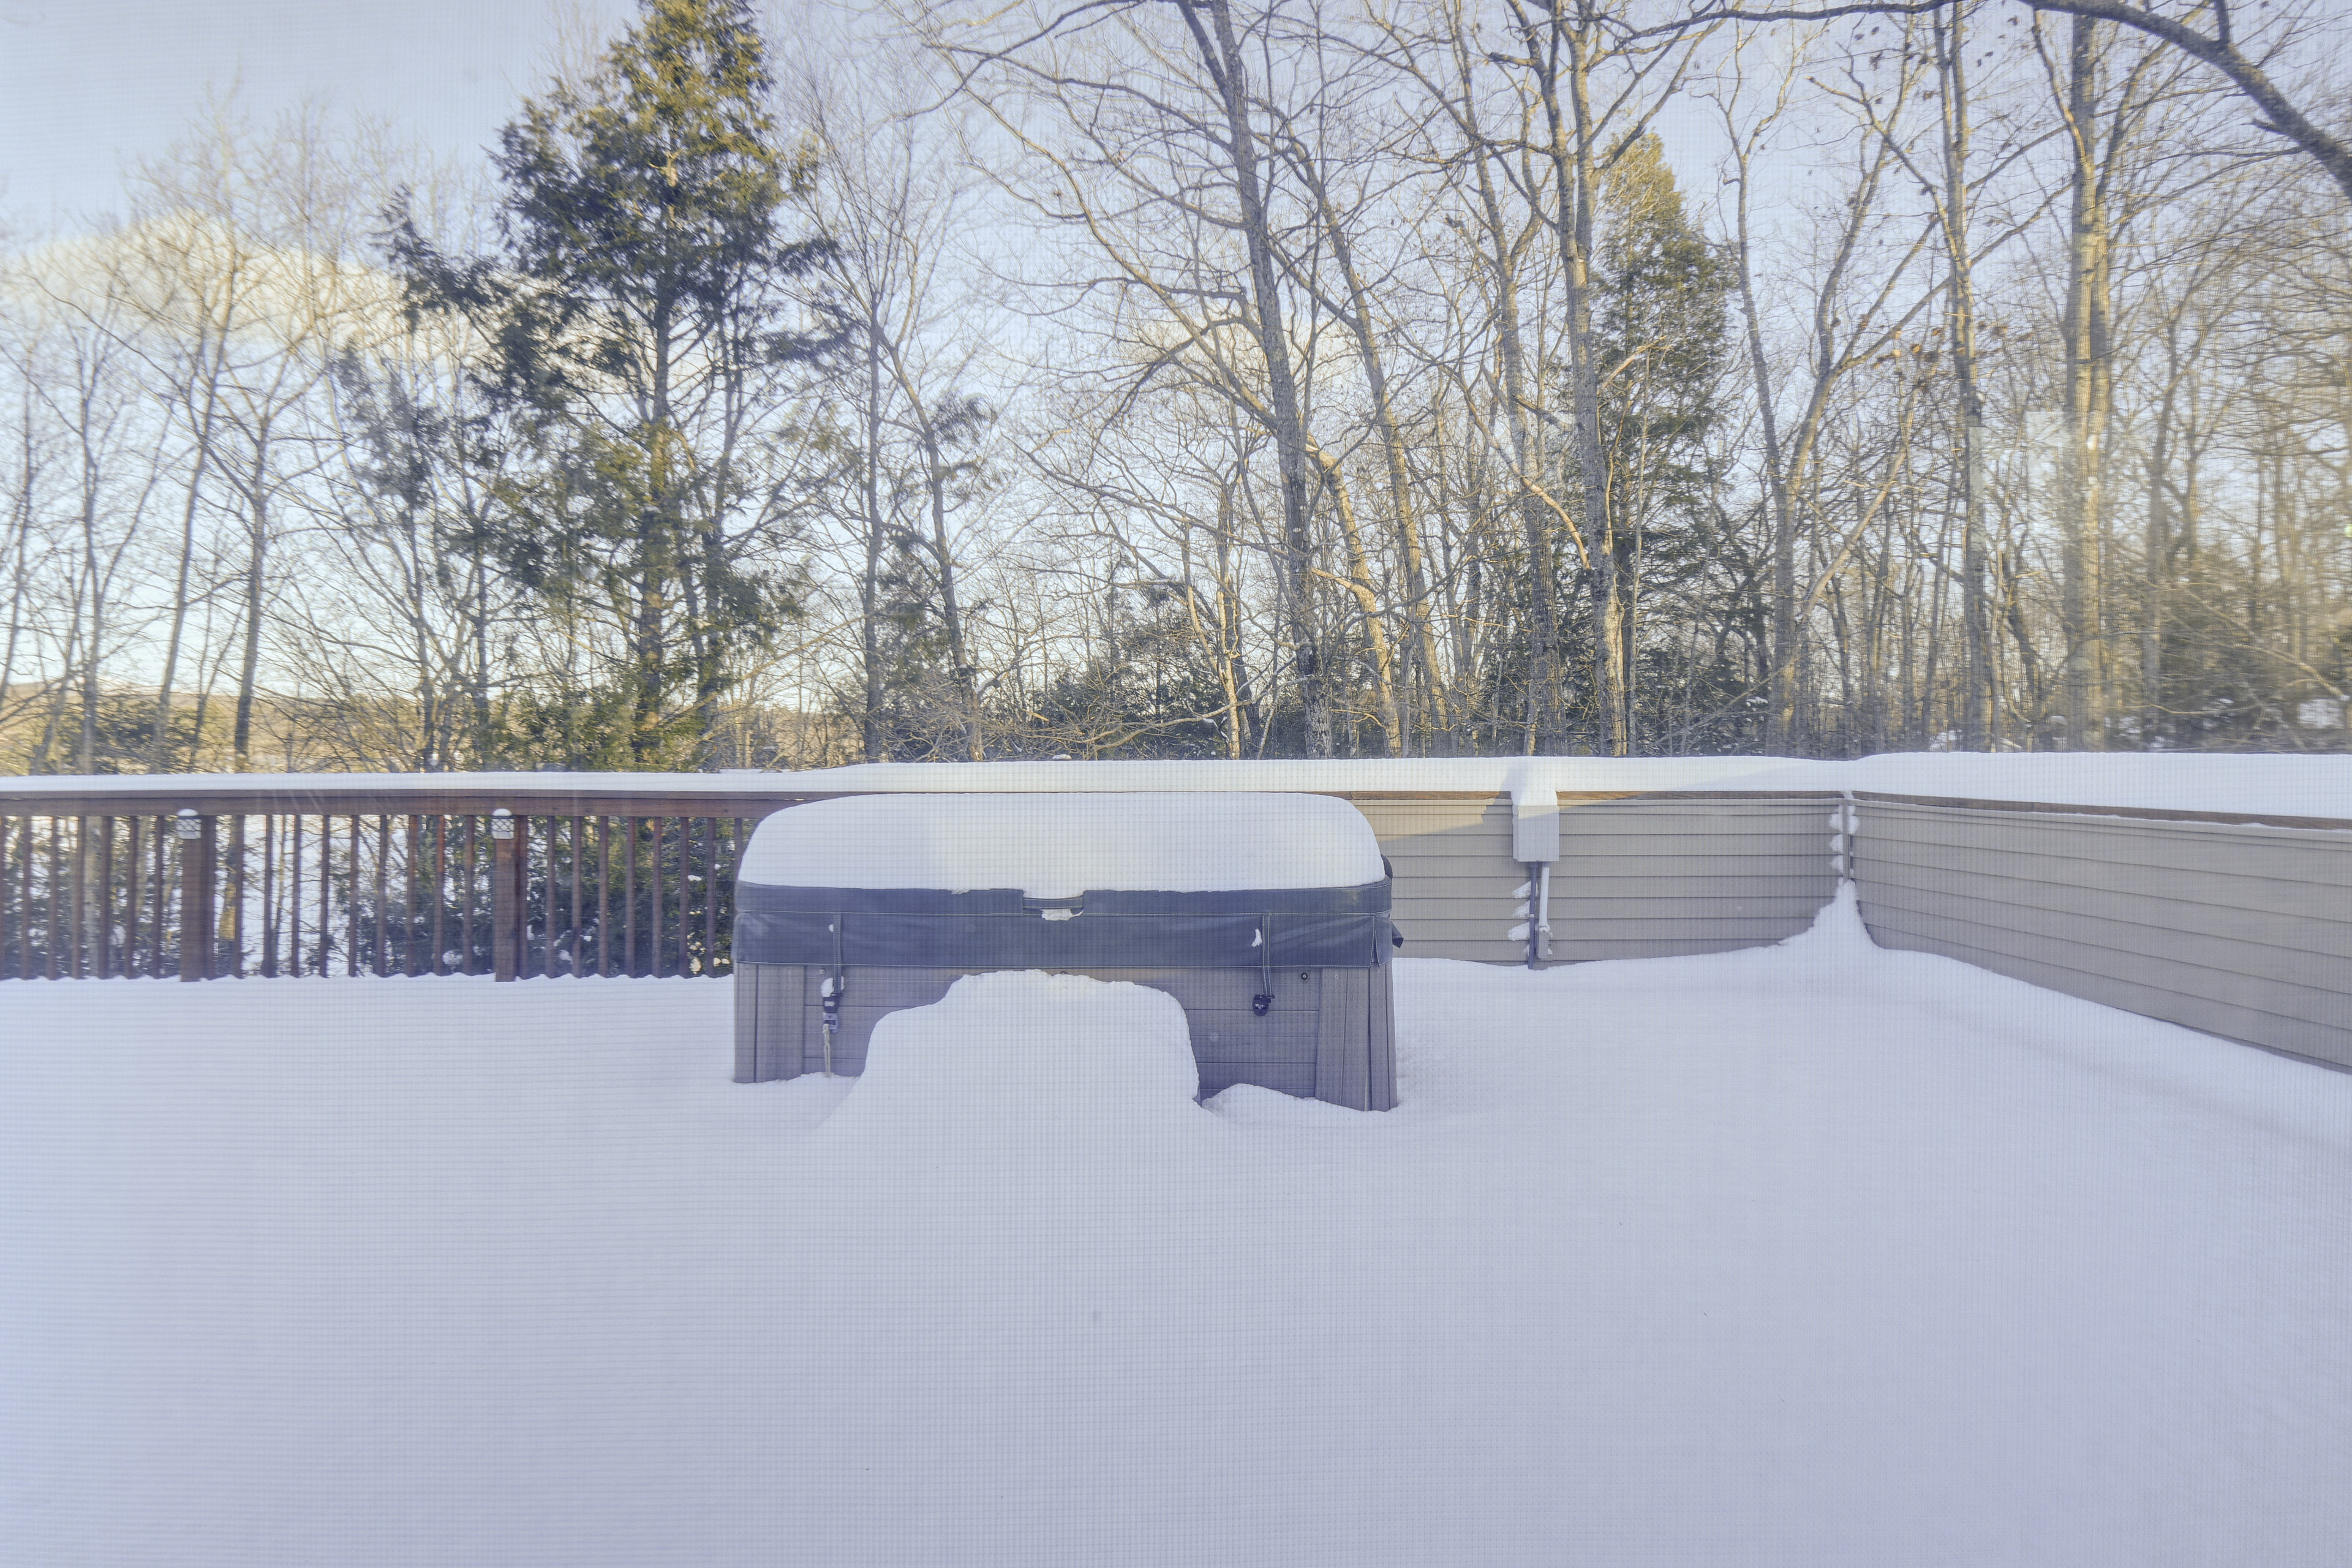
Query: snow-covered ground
column 1812, row 1256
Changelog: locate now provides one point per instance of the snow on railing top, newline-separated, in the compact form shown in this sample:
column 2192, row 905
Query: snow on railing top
column 720, row 784
column 2265, row 783
column 1431, row 776
column 2274, row 784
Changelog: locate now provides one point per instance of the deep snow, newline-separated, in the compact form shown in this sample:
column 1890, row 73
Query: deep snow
column 1812, row 1256
column 1058, row 846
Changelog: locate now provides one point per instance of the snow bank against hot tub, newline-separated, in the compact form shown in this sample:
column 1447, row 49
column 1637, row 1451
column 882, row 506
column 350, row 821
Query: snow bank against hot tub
column 1053, row 846
column 1005, row 1061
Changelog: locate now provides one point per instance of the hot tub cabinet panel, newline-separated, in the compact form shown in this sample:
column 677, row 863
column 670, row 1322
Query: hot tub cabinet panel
column 1328, row 1035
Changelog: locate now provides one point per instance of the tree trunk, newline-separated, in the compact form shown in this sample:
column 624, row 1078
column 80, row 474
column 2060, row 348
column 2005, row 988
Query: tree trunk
column 1543, row 707
column 1230, row 674
column 2156, row 573
column 869, row 583
column 1781, row 625
column 20, row 527
column 1359, row 584
column 967, row 680
column 257, row 562
column 2087, row 369
column 1221, row 54
column 1978, row 718
column 1574, row 182
column 160, row 744
column 86, row 742
column 1422, row 636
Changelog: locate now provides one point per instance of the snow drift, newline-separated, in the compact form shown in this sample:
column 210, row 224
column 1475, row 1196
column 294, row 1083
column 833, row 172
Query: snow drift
column 1011, row 1060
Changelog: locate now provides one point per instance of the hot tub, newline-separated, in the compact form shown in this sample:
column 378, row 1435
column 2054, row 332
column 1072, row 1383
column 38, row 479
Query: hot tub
column 1264, row 916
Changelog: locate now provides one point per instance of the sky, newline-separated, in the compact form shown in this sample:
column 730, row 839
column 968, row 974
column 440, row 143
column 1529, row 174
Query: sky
column 86, row 85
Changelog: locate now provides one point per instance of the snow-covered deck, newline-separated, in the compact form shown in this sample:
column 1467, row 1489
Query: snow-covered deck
column 1815, row 1255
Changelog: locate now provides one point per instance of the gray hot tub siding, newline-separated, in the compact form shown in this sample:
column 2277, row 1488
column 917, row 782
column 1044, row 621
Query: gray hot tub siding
column 1330, row 1033
column 1320, row 956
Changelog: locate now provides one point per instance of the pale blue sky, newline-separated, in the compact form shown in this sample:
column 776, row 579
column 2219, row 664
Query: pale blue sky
column 85, row 84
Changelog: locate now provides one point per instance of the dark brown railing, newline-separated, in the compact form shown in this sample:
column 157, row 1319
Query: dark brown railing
column 209, row 882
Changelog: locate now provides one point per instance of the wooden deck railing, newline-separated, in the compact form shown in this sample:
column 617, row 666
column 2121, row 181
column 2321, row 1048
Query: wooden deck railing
column 208, row 882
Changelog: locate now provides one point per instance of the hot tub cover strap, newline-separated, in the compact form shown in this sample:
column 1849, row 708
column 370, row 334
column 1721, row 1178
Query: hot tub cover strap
column 1327, row 928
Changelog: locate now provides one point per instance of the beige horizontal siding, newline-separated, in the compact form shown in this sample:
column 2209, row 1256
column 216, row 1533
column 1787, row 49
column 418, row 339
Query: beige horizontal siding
column 2011, row 930
column 2247, row 1024
column 2102, row 861
column 1420, row 825
column 1456, row 855
column 1636, row 879
column 1644, row 938
column 1725, row 884
column 2297, row 947
column 2286, row 854
column 1633, row 904
column 1779, row 912
column 1776, row 856
column 1573, row 952
column 2241, row 932
column 1638, row 823
column 1475, row 949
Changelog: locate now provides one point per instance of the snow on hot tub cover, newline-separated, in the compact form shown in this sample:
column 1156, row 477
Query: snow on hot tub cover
column 1065, row 881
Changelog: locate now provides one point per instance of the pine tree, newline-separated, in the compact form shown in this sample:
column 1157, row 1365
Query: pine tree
column 1663, row 330
column 641, row 326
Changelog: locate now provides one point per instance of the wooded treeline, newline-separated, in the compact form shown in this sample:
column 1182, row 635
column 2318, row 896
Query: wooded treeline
column 1212, row 379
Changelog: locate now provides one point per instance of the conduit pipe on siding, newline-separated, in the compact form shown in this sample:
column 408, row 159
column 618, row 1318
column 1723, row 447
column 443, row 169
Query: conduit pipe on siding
column 1535, row 844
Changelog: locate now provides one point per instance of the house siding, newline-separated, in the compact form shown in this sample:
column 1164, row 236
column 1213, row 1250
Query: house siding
column 2241, row 932
column 1636, row 877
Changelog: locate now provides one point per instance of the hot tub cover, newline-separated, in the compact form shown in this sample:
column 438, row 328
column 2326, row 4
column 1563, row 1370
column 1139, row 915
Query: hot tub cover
column 1066, row 881
column 1056, row 846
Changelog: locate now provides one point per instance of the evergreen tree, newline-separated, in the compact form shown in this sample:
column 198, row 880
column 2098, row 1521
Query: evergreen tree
column 639, row 326
column 1664, row 340
column 1662, row 293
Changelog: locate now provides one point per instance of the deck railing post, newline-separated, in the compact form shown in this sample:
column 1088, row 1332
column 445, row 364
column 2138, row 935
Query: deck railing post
column 199, row 849
column 507, row 902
